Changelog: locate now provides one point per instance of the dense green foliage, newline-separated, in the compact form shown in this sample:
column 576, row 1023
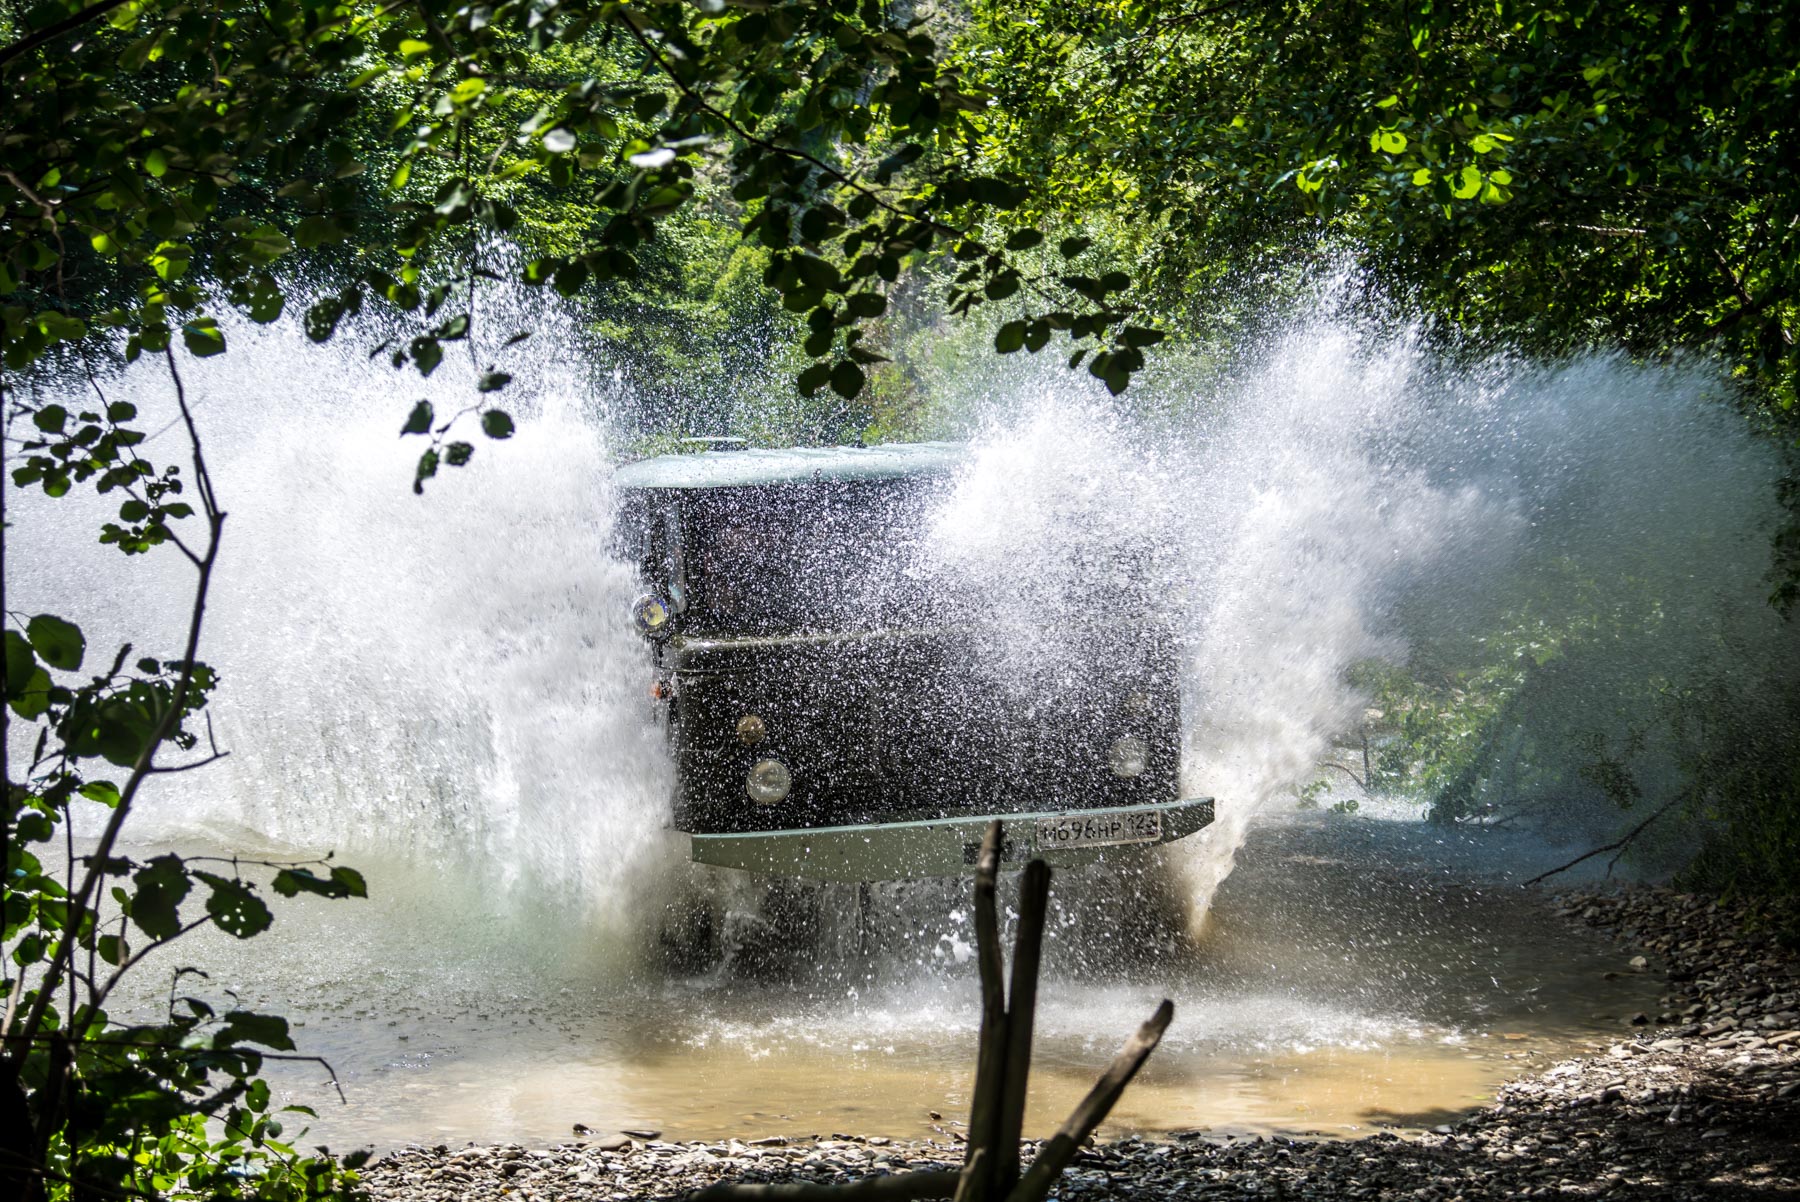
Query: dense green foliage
column 1551, row 174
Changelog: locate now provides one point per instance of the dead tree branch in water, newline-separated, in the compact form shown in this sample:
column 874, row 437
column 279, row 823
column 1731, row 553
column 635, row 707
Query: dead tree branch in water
column 990, row 1171
column 1617, row 845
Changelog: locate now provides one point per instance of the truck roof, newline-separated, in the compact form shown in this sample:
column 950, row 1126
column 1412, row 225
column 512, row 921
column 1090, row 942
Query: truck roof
column 791, row 465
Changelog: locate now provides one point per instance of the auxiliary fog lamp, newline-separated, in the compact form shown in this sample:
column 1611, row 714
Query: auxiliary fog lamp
column 1128, row 757
column 768, row 782
column 651, row 614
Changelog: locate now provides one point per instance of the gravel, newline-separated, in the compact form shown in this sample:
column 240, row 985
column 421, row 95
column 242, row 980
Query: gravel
column 1699, row 1100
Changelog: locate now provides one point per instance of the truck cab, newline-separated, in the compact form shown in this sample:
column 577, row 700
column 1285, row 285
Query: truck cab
column 826, row 689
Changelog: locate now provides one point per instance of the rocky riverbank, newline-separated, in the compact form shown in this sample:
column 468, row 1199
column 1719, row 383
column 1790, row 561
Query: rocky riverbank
column 1698, row 1100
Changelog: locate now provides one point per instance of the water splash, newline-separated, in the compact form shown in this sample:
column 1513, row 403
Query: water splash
column 445, row 679
column 1348, row 496
column 448, row 682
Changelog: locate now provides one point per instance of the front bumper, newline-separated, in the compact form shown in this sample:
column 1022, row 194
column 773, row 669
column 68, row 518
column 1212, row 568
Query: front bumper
column 887, row 851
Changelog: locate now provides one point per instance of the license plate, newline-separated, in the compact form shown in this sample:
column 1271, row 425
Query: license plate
column 1107, row 829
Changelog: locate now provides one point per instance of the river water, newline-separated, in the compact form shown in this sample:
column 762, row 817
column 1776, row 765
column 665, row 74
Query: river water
column 1352, row 974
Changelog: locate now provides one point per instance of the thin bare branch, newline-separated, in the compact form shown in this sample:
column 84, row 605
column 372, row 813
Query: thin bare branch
column 1616, row 845
column 1056, row 1153
column 174, row 768
column 62, row 958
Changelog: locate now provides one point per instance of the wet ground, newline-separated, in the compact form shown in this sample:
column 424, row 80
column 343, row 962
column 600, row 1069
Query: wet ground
column 1352, row 975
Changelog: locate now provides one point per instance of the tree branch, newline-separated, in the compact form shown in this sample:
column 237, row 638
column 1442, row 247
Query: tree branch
column 141, row 770
column 1633, row 833
column 56, row 29
column 1057, row 1151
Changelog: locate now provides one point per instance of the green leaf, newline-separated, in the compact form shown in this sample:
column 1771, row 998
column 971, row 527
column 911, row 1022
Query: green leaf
column 1070, row 247
column 112, row 949
column 343, row 882
column 1393, row 141
column 34, row 698
column 203, row 337
column 493, row 381
column 102, row 791
column 419, row 420
column 20, row 663
column 496, row 424
column 234, row 906
column 428, row 466
column 243, row 1026
column 59, row 643
column 161, row 886
column 50, row 419
column 1023, row 239
column 847, row 379
column 33, row 827
column 427, row 353
column 1010, row 338
column 1471, row 183
column 813, row 378
column 458, row 453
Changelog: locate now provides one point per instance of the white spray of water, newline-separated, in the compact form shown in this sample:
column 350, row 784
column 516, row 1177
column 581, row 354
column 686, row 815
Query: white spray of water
column 1299, row 538
column 446, row 680
column 1340, row 490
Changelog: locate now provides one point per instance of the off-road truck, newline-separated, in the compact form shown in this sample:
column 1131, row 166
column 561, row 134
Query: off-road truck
column 834, row 699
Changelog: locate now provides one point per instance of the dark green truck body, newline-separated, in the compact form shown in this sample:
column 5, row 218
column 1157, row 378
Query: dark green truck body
column 797, row 621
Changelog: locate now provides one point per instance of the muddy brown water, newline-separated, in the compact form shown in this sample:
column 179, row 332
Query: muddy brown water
column 1352, row 975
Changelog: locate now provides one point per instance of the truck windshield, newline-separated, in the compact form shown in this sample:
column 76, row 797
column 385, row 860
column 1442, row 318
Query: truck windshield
column 806, row 557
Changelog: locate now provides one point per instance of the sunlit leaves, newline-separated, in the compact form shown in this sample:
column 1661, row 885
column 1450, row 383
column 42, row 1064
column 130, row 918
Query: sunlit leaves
column 203, row 337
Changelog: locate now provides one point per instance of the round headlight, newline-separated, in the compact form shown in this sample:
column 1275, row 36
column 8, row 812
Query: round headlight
column 650, row 614
column 1128, row 757
column 768, row 782
column 751, row 730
